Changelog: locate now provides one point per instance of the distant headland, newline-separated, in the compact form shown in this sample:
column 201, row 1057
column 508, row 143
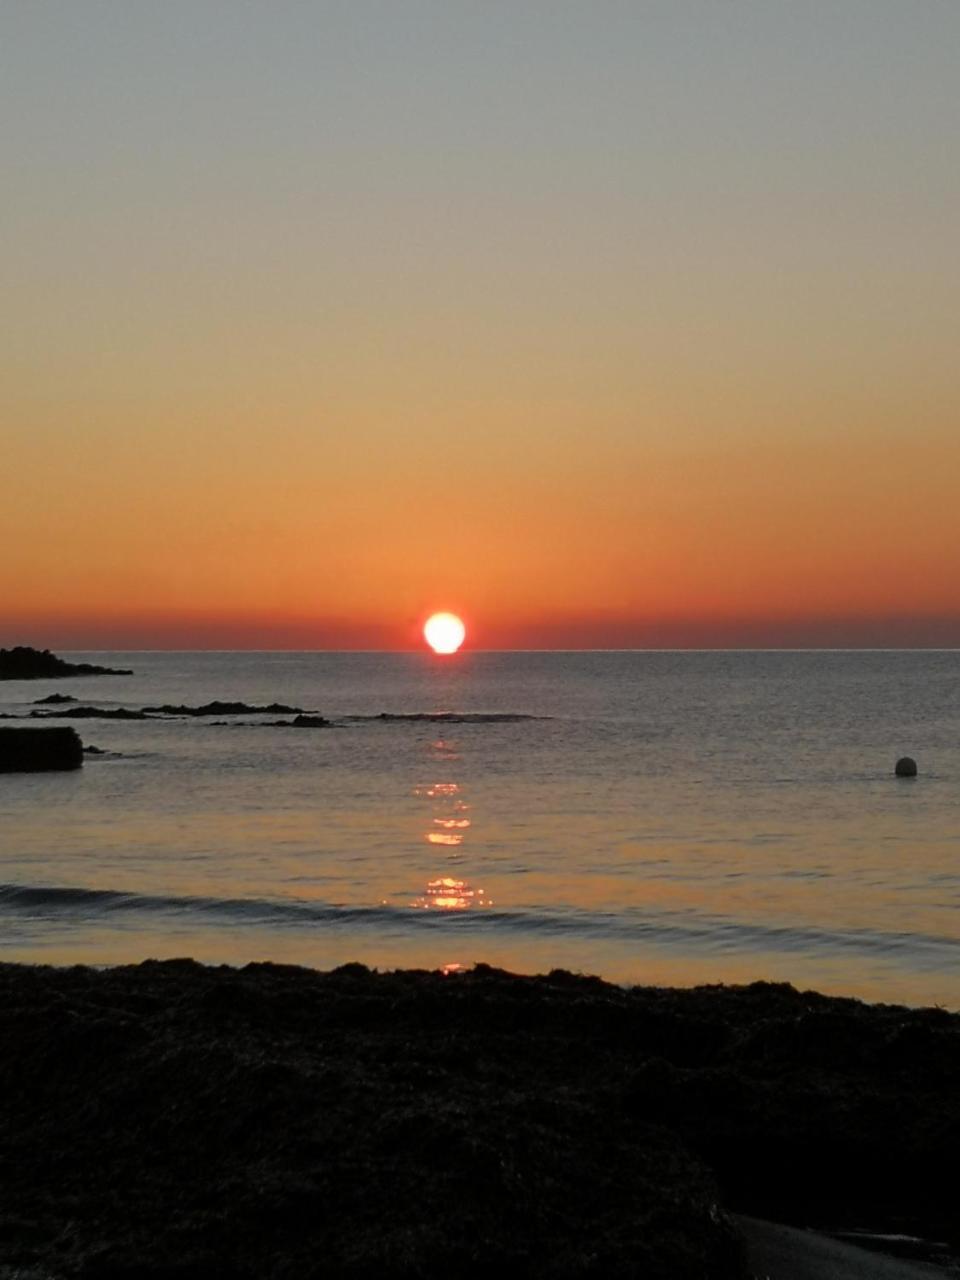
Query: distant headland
column 24, row 663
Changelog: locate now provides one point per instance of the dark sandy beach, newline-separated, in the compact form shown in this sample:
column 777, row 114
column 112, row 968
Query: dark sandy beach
column 171, row 1120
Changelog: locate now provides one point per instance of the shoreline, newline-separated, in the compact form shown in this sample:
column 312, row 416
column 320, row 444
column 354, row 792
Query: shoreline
column 186, row 1120
column 634, row 836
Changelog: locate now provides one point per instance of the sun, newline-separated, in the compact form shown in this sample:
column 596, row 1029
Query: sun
column 444, row 632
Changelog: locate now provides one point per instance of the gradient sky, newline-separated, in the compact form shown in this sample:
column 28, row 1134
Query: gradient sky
column 601, row 323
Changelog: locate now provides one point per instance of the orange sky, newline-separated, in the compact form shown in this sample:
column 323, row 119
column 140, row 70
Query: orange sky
column 639, row 332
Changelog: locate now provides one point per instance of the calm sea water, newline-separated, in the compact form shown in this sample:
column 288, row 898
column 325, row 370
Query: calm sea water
column 664, row 818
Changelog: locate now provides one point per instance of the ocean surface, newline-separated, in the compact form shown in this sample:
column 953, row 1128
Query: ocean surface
column 656, row 818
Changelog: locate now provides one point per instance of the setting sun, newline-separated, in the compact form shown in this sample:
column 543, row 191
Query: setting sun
column 444, row 632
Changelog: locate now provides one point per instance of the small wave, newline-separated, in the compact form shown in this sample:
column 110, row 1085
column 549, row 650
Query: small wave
column 665, row 928
column 50, row 900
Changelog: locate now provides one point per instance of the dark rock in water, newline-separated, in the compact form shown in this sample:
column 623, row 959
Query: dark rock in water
column 94, row 751
column 452, row 717
column 24, row 663
column 906, row 767
column 91, row 713
column 299, row 722
column 155, row 713
column 54, row 699
column 224, row 709
column 39, row 750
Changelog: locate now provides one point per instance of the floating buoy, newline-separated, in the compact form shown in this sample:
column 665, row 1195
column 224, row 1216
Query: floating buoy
column 906, row 767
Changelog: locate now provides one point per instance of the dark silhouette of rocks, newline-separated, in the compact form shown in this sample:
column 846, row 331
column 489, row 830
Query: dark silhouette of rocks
column 54, row 699
column 165, row 712
column 95, row 751
column 24, row 663
column 452, row 717
column 39, row 750
column 299, row 722
column 302, row 719
column 91, row 713
column 906, row 767
column 224, row 709
column 276, row 1122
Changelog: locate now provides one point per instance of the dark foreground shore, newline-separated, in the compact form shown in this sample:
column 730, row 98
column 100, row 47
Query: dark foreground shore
column 171, row 1120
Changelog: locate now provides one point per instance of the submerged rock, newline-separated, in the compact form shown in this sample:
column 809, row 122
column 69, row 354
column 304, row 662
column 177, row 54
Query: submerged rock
column 451, row 717
column 224, row 709
column 299, row 722
column 39, row 750
column 54, row 699
column 91, row 713
column 24, row 663
column 906, row 767
column 166, row 712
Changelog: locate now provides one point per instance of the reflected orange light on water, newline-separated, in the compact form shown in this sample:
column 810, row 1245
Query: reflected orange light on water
column 450, row 817
column 449, row 894
column 438, row 789
column 447, row 829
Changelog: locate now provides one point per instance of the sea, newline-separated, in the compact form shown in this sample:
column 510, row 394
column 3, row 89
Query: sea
column 656, row 818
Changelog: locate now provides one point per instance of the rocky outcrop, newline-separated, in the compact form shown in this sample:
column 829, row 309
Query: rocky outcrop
column 224, row 709
column 451, row 717
column 39, row 750
column 54, row 700
column 24, row 663
column 299, row 722
column 91, row 713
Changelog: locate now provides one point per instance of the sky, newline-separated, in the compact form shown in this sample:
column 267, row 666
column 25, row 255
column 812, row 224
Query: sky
column 602, row 324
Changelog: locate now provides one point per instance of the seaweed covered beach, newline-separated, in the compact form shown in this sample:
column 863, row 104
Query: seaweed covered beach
column 173, row 1120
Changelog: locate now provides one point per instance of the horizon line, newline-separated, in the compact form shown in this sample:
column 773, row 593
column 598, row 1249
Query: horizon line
column 917, row 648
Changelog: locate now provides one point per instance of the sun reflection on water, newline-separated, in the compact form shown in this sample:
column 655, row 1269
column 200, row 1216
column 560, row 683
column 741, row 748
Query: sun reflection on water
column 438, row 789
column 450, row 808
column 447, row 893
column 448, row 828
